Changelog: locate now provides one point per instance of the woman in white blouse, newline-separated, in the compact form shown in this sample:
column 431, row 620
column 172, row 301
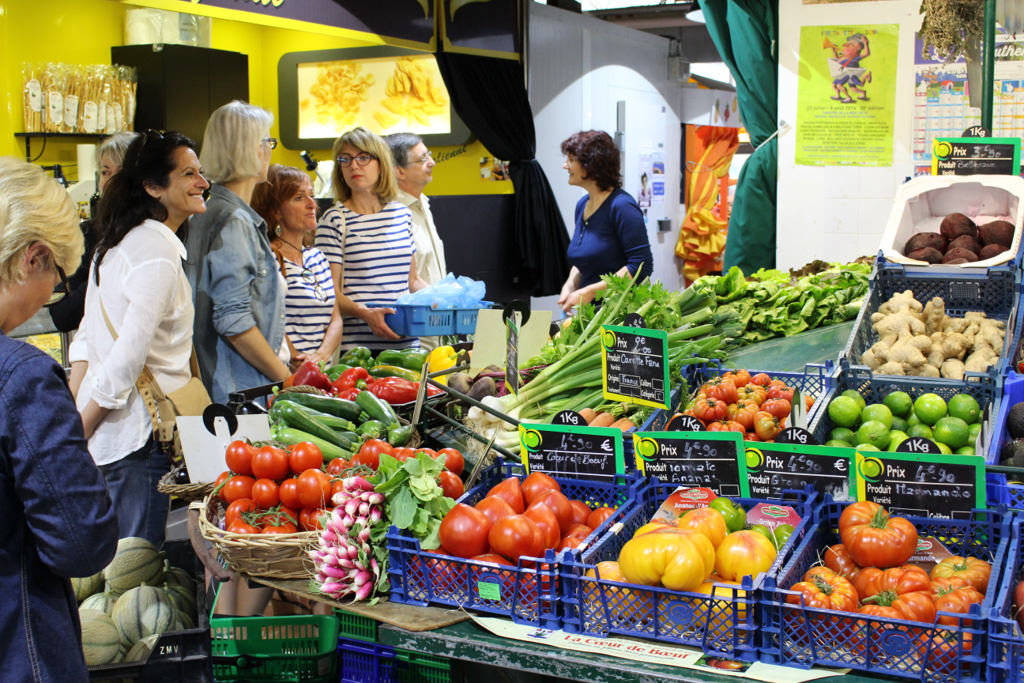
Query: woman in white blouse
column 138, row 313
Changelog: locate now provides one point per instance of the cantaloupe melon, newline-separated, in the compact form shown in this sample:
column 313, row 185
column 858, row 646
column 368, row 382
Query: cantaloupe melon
column 183, row 601
column 84, row 586
column 103, row 602
column 185, row 621
column 176, row 576
column 101, row 642
column 142, row 611
column 141, row 649
column 136, row 562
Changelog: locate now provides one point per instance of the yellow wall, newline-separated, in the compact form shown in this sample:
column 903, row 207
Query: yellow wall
column 82, row 31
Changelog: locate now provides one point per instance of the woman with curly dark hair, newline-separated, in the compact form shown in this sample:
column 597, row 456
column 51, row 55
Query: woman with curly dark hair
column 610, row 236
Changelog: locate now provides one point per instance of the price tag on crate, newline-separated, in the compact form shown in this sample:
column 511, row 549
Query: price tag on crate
column 924, row 485
column 575, row 452
column 969, row 156
column 634, row 362
column 773, row 467
column 697, row 459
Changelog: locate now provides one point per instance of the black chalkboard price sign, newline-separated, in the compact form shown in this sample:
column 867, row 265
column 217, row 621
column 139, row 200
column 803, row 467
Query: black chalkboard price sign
column 697, row 459
column 773, row 467
column 634, row 362
column 925, row 485
column 574, row 452
column 968, row 156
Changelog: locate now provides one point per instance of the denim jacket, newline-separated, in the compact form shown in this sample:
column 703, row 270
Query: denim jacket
column 58, row 520
column 235, row 286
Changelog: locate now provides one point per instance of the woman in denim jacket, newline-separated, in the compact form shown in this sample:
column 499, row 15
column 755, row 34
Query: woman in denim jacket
column 58, row 520
column 236, row 286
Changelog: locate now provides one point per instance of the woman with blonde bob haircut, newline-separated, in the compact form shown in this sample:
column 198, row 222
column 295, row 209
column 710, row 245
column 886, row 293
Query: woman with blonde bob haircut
column 367, row 239
column 58, row 519
column 237, row 289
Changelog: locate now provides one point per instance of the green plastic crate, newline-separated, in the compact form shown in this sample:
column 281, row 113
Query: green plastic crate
column 356, row 627
column 414, row 667
column 291, row 648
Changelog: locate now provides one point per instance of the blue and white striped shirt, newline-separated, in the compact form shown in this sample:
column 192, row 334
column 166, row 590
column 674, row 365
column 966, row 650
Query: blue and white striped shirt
column 376, row 255
column 309, row 300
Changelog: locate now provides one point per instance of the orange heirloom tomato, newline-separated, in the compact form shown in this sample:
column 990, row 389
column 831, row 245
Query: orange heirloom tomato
column 709, row 409
column 722, row 389
column 741, row 378
column 825, row 590
column 705, row 521
column 906, row 579
column 753, row 392
column 674, row 558
column 779, row 407
column 972, row 570
column 766, row 425
column 915, row 606
column 837, row 558
column 744, row 553
column 761, row 379
column 954, row 595
column 873, row 538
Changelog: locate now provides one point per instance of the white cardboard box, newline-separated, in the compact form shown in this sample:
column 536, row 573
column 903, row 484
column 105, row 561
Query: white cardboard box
column 921, row 203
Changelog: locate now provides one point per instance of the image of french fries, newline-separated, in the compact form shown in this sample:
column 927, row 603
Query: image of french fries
column 338, row 93
column 412, row 94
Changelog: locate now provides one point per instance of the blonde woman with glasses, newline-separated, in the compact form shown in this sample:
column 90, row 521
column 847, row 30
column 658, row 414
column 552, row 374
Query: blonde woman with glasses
column 312, row 321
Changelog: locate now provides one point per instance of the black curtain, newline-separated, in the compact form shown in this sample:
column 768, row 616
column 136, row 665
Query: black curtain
column 489, row 94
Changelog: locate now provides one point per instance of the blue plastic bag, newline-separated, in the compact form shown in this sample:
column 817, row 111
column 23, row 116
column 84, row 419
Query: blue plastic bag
column 450, row 292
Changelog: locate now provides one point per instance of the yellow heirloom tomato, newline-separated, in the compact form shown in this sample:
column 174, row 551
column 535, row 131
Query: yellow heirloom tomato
column 674, row 558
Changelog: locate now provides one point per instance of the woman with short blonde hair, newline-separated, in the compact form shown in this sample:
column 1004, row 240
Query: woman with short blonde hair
column 232, row 140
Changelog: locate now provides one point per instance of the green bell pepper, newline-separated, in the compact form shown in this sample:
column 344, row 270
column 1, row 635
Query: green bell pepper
column 357, row 355
column 410, row 359
column 735, row 516
column 334, row 372
column 393, row 371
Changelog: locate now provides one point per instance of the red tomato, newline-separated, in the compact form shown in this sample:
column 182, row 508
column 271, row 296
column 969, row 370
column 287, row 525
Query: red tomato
column 511, row 492
column 766, row 425
column 314, row 488
column 740, row 378
column 535, row 485
column 779, row 407
column 271, row 463
column 722, row 389
column 546, row 521
column 495, row 508
column 235, row 510
column 305, row 456
column 761, row 379
column 780, row 390
column 337, row 466
column 493, row 558
column 218, row 484
column 710, row 409
column 453, row 460
column 562, row 508
column 429, row 451
column 312, row 519
column 241, row 527
column 597, row 517
column 579, row 530
column 513, row 537
column 464, row 531
column 570, row 541
column 369, row 453
column 239, row 486
column 265, row 493
column 403, row 453
column 451, row 484
column 580, row 511
column 288, row 491
column 238, row 456
column 285, row 528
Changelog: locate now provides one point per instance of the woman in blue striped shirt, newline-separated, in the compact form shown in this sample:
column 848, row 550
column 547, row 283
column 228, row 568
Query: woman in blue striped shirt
column 367, row 239
column 312, row 321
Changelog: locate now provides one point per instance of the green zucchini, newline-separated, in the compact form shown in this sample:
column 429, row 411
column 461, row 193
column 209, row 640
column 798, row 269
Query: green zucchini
column 299, row 417
column 399, row 435
column 372, row 429
column 290, row 436
column 325, row 404
column 376, row 408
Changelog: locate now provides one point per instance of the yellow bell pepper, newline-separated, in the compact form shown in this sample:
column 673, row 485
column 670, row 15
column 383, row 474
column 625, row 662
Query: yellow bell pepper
column 674, row 558
column 441, row 358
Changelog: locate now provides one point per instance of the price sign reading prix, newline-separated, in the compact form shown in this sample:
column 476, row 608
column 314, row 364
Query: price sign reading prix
column 697, row 459
column 576, row 452
column 634, row 362
column 925, row 485
column 773, row 467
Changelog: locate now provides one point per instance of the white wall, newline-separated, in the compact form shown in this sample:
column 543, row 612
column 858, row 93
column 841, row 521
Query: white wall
column 579, row 68
column 834, row 212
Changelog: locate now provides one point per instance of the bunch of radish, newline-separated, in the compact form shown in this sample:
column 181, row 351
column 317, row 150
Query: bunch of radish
column 343, row 560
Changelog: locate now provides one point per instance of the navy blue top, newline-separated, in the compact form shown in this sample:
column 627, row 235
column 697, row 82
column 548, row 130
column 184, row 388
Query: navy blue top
column 614, row 236
column 58, row 520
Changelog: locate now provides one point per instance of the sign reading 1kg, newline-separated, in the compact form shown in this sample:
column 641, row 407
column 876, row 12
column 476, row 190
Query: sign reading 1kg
column 634, row 362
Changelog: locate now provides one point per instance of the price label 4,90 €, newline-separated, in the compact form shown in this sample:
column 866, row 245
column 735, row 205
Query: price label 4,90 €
column 773, row 467
column 924, row 485
column 697, row 459
column 575, row 452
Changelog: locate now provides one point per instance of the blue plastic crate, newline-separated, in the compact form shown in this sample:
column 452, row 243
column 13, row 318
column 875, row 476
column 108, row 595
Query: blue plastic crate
column 874, row 388
column 362, row 662
column 1013, row 393
column 528, row 592
column 724, row 625
column 995, row 293
column 1006, row 640
column 418, row 320
column 795, row 635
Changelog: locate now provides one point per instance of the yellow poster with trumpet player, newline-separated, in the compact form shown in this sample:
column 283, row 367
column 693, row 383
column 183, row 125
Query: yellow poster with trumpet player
column 846, row 95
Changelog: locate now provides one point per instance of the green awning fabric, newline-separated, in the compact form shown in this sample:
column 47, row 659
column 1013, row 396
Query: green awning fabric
column 746, row 34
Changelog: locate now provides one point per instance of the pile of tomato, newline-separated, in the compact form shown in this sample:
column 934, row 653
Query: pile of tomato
column 368, row 455
column 756, row 406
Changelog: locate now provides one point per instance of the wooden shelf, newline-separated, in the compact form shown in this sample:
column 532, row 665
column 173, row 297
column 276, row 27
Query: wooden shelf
column 28, row 139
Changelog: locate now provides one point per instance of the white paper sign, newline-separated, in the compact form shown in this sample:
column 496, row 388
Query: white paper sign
column 204, row 452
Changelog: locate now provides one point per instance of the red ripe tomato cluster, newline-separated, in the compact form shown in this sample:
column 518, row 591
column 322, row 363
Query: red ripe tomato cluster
column 450, row 480
column 755, row 406
column 519, row 519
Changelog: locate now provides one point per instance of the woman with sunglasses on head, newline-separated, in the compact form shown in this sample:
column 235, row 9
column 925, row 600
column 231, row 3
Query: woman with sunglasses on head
column 287, row 204
column 138, row 314
column 238, row 290
column 58, row 519
column 367, row 238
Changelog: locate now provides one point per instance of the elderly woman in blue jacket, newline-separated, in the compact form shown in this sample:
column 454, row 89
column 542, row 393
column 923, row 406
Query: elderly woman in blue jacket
column 58, row 521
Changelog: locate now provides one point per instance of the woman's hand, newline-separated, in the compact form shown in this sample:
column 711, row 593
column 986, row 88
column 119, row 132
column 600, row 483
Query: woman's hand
column 374, row 317
column 318, row 356
column 576, row 298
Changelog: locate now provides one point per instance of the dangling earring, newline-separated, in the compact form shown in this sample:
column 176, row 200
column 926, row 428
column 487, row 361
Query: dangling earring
column 277, row 230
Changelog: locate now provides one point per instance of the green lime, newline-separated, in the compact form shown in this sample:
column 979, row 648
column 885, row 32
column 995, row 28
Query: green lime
column 844, row 411
column 895, row 437
column 875, row 433
column 852, row 393
column 951, row 431
column 913, row 419
column 899, row 424
column 972, row 432
column 841, row 434
column 965, row 450
column 838, row 443
column 944, row 449
column 899, row 402
column 919, row 430
column 866, row 447
column 930, row 408
column 965, row 407
column 878, row 412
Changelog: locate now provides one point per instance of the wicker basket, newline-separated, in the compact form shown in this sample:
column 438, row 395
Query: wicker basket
column 279, row 556
column 190, row 491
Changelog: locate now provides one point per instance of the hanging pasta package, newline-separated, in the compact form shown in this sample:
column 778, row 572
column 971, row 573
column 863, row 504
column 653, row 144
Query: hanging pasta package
column 86, row 98
column 53, row 83
column 32, row 97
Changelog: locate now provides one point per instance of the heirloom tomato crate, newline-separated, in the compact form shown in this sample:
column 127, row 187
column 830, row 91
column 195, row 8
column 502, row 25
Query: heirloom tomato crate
column 724, row 623
column 528, row 591
column 794, row 634
column 1005, row 636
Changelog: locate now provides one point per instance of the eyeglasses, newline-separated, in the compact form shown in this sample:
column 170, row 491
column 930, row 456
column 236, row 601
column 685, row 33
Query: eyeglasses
column 61, row 290
column 360, row 159
column 270, row 142
column 423, row 159
column 310, row 279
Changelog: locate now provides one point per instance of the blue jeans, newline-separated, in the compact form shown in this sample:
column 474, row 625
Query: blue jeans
column 131, row 481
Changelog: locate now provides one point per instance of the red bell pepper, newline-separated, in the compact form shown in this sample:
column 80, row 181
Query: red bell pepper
column 309, row 374
column 350, row 378
column 394, row 390
column 347, row 394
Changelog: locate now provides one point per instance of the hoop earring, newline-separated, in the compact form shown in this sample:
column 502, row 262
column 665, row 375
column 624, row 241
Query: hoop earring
column 277, row 230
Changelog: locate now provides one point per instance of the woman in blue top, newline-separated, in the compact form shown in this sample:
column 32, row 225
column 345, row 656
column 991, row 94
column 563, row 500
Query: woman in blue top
column 610, row 235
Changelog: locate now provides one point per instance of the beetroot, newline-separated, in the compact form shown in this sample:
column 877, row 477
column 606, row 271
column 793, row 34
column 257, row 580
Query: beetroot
column 956, row 224
column 924, row 240
column 965, row 242
column 997, row 232
column 957, row 254
column 929, row 254
column 990, row 250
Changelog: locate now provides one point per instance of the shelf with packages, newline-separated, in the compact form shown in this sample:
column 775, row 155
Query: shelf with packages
column 67, row 136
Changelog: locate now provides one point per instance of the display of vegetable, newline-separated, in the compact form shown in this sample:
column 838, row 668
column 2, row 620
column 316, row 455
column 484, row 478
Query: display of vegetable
column 344, row 561
column 756, row 406
column 960, row 240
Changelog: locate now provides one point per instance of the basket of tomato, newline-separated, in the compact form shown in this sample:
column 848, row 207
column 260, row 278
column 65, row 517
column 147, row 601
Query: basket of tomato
column 1006, row 618
column 695, row 583
column 502, row 544
column 754, row 403
column 873, row 591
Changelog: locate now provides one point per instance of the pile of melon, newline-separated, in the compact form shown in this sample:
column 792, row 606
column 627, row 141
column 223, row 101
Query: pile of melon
column 126, row 607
